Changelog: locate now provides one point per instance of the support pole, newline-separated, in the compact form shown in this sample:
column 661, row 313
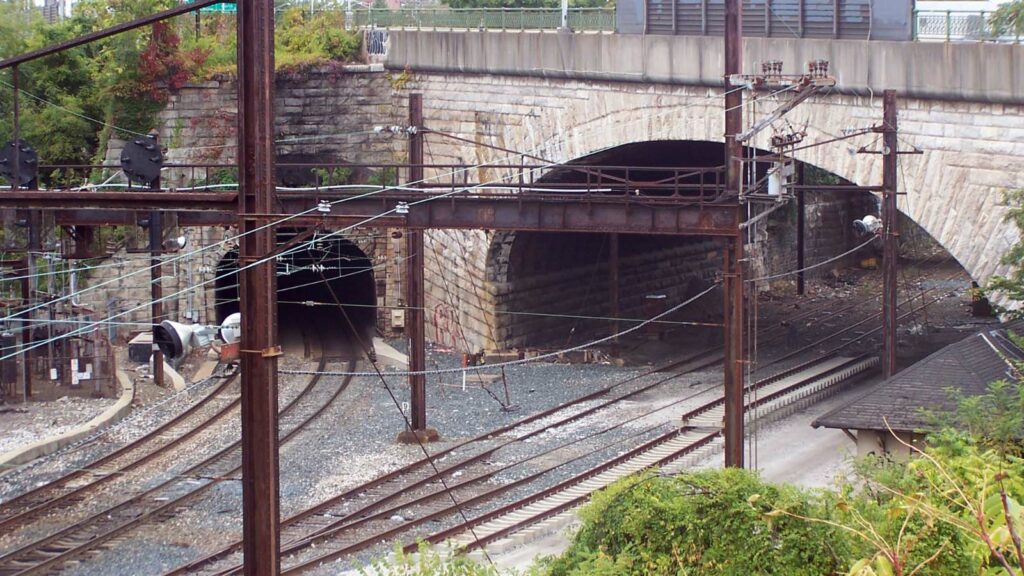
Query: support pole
column 26, row 330
column 16, row 96
column 156, row 309
column 416, row 319
column 890, row 232
column 613, row 287
column 35, row 244
column 733, row 277
column 156, row 312
column 258, row 290
column 801, row 214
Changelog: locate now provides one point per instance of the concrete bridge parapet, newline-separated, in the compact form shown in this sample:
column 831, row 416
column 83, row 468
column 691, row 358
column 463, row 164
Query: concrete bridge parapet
column 963, row 72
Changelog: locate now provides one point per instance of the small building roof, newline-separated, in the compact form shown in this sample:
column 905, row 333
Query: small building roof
column 969, row 365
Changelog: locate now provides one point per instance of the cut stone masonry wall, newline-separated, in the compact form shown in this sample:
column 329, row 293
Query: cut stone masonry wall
column 330, row 114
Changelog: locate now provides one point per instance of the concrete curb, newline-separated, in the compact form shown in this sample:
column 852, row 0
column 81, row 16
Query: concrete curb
column 111, row 415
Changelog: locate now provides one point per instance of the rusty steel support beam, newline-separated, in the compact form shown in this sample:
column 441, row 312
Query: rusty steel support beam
column 734, row 253
column 156, row 313
column 801, row 209
column 416, row 321
column 890, row 232
column 16, row 99
column 258, row 290
column 136, row 200
column 613, row 287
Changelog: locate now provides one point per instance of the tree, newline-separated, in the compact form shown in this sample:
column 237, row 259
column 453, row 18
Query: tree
column 529, row 3
column 1008, row 19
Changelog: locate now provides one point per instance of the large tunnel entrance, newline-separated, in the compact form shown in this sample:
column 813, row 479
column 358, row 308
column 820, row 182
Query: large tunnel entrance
column 557, row 288
column 311, row 282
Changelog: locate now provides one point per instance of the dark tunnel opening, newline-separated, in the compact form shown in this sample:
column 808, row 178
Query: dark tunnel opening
column 311, row 282
column 563, row 281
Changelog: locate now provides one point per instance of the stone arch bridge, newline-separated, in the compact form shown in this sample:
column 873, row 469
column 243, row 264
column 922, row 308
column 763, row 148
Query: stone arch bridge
column 563, row 97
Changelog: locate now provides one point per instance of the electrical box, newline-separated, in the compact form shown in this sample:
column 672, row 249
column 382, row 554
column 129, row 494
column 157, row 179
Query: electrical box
column 398, row 318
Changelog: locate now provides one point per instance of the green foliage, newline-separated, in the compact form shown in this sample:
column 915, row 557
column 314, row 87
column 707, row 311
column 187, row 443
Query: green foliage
column 386, row 176
column 528, row 3
column 336, row 176
column 1011, row 287
column 706, row 523
column 73, row 100
column 306, row 40
column 301, row 41
column 994, row 420
column 1008, row 19
column 426, row 562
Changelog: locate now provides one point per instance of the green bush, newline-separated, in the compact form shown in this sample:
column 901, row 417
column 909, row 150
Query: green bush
column 709, row 523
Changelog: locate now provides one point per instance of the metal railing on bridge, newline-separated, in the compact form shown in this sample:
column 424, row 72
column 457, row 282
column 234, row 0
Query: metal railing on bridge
column 957, row 26
column 579, row 19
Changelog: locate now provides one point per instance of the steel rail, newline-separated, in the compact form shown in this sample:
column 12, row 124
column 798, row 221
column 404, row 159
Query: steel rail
column 344, row 524
column 50, row 547
column 448, row 510
column 702, row 359
column 696, row 361
column 49, row 496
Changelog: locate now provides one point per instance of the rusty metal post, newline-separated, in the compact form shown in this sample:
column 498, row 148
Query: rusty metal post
column 801, row 213
column 416, row 321
column 258, row 290
column 734, row 254
column 156, row 240
column 156, row 307
column 26, row 331
column 27, row 284
column 890, row 218
column 613, row 287
column 31, row 287
column 16, row 105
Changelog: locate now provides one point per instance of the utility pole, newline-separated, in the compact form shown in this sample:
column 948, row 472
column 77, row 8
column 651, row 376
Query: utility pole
column 733, row 256
column 34, row 221
column 613, row 286
column 156, row 240
column 414, row 297
column 258, row 289
column 801, row 209
column 890, row 232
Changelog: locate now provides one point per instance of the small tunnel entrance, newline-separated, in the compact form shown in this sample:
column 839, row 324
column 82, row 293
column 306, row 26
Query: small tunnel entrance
column 311, row 282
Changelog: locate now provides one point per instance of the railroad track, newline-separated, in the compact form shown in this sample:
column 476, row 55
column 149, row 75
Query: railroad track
column 364, row 516
column 403, row 484
column 76, row 486
column 701, row 428
column 384, row 497
column 51, row 553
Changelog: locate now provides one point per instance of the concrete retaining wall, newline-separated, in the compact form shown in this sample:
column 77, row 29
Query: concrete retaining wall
column 110, row 416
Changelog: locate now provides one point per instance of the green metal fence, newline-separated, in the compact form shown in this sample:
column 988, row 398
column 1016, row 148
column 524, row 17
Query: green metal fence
column 957, row 26
column 579, row 19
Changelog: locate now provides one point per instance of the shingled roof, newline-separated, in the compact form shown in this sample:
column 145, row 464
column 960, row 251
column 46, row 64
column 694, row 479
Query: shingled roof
column 969, row 365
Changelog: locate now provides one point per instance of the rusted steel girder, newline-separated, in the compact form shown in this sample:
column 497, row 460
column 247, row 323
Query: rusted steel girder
column 890, row 232
column 258, row 290
column 733, row 270
column 415, row 260
column 141, row 200
column 541, row 214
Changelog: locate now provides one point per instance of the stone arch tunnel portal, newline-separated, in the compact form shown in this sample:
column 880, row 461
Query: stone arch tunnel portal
column 310, row 283
column 554, row 289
